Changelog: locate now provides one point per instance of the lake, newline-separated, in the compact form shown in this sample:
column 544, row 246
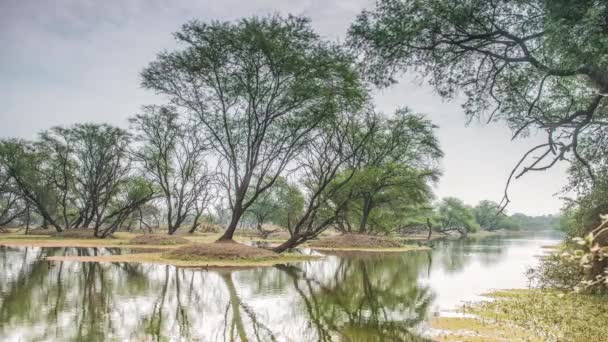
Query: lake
column 345, row 297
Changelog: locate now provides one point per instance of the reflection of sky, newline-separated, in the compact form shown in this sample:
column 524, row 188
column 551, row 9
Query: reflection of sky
column 125, row 300
column 483, row 271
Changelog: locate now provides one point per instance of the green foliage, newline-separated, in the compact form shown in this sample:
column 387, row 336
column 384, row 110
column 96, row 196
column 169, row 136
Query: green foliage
column 453, row 215
column 258, row 86
column 487, row 215
column 389, row 195
column 525, row 222
column 281, row 205
column 29, row 168
column 172, row 156
column 536, row 65
column 392, row 178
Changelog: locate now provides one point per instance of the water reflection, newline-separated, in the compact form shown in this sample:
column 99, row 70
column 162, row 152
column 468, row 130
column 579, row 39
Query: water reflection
column 341, row 298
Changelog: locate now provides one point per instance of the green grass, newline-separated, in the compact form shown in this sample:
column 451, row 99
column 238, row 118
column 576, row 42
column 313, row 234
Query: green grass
column 551, row 315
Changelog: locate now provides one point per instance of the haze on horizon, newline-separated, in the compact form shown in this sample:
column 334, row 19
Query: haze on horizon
column 79, row 61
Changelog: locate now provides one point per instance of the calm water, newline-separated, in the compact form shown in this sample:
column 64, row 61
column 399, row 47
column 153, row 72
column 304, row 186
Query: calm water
column 341, row 298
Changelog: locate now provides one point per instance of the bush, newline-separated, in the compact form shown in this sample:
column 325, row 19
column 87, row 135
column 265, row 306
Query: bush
column 556, row 272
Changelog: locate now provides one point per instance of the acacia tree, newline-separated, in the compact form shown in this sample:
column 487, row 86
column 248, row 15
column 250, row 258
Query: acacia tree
column 12, row 205
column 277, row 205
column 27, row 167
column 88, row 165
column 173, row 157
column 535, row 64
column 258, row 86
column 397, row 163
column 489, row 217
column 380, row 197
column 335, row 147
column 77, row 177
column 453, row 215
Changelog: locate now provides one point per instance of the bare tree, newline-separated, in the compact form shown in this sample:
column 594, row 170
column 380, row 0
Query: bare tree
column 173, row 157
column 259, row 87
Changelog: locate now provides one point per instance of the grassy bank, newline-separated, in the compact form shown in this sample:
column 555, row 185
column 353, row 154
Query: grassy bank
column 529, row 315
column 157, row 248
column 161, row 249
column 361, row 243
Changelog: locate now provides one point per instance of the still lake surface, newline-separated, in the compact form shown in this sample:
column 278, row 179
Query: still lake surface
column 340, row 298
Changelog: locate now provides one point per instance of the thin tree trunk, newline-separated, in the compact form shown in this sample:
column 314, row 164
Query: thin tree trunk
column 367, row 206
column 27, row 218
column 195, row 223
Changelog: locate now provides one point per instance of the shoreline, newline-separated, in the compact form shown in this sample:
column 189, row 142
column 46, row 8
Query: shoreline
column 525, row 315
column 156, row 253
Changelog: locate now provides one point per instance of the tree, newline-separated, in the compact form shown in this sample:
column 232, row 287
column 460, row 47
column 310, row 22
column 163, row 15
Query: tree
column 279, row 205
column 397, row 163
column 453, row 215
column 487, row 215
column 380, row 197
column 534, row 64
column 258, row 86
column 291, row 206
column 12, row 205
column 335, row 148
column 172, row 156
column 262, row 210
column 26, row 166
column 77, row 177
column 89, row 164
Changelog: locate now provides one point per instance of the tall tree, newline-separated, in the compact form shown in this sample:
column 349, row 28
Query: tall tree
column 534, row 64
column 27, row 167
column 173, row 157
column 326, row 167
column 89, row 166
column 12, row 205
column 259, row 86
column 397, row 163
column 77, row 177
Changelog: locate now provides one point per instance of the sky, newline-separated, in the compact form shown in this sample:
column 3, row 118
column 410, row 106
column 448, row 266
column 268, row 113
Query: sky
column 69, row 61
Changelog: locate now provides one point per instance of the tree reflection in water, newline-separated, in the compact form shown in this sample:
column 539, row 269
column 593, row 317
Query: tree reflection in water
column 369, row 298
column 341, row 298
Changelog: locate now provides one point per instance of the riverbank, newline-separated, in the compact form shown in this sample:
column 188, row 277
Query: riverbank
column 362, row 243
column 528, row 315
column 161, row 249
column 157, row 248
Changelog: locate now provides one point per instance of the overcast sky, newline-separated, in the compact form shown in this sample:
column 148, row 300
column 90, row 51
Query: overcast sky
column 69, row 61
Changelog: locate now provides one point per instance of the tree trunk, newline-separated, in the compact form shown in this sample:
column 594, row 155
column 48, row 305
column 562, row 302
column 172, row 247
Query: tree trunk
column 428, row 223
column 195, row 223
column 234, row 221
column 290, row 243
column 367, row 207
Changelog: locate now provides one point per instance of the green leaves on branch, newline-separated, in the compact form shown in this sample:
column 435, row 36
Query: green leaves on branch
column 258, row 87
